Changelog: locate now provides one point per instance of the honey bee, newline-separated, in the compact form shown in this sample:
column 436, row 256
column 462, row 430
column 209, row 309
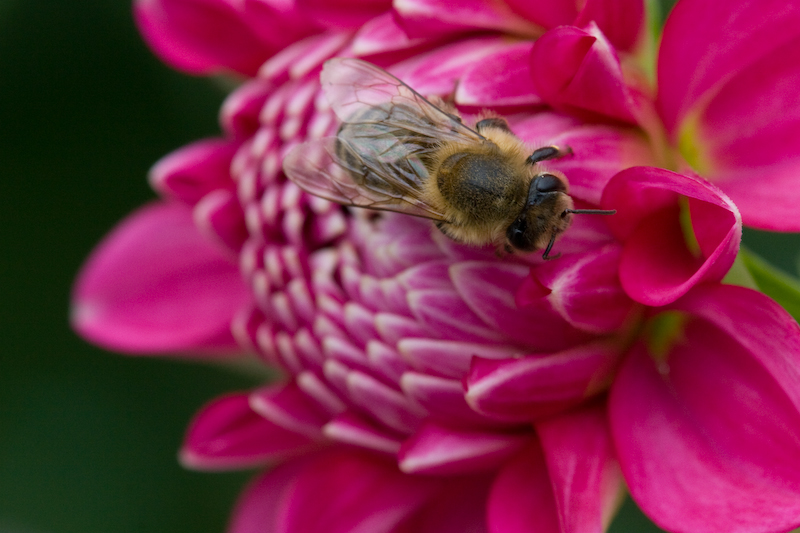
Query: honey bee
column 397, row 151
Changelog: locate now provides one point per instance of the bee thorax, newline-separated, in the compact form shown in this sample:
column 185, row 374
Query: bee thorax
column 480, row 186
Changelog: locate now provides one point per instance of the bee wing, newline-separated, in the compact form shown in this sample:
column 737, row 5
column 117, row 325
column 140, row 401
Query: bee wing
column 362, row 94
column 321, row 168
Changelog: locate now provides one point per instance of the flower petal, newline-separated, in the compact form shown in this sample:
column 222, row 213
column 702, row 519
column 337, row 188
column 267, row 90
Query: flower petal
column 352, row 492
column 692, row 63
column 658, row 264
column 488, row 288
column 586, row 291
column 287, row 406
column 501, row 79
column 578, row 71
column 261, row 503
column 434, row 18
column 459, row 507
column 539, row 385
column 438, row 449
column 349, row 428
column 622, row 21
column 583, row 469
column 228, row 434
column 751, row 127
column 200, row 36
column 155, row 284
column 707, row 428
column 194, row 170
column 521, row 499
column 219, row 216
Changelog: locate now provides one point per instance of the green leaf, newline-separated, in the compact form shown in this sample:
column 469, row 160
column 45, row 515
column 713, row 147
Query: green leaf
column 778, row 285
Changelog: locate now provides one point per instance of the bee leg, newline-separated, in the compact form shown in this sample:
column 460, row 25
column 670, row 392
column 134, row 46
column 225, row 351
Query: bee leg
column 546, row 255
column 547, row 152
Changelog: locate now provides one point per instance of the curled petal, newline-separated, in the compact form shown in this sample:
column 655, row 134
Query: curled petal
column 239, row 114
column 433, row 18
column 521, row 499
column 587, row 481
column 200, row 36
column 707, row 425
column 228, row 434
column 438, row 449
column 349, row 428
column 578, row 71
column 535, row 386
column 691, row 63
column 155, row 284
column 668, row 247
column 586, row 291
column 194, row 170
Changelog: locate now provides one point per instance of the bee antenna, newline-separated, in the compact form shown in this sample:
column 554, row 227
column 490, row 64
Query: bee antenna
column 591, row 211
column 546, row 255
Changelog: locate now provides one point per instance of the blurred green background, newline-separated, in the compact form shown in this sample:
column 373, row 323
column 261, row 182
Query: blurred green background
column 88, row 439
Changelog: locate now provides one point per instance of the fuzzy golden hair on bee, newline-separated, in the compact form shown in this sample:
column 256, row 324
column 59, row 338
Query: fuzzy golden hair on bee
column 398, row 151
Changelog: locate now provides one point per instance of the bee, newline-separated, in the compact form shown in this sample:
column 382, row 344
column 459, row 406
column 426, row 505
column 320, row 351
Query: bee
column 398, row 151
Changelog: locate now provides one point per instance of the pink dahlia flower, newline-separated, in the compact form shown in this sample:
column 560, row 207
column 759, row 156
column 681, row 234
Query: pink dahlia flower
column 433, row 387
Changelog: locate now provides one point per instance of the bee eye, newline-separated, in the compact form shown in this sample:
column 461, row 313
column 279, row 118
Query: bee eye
column 549, row 183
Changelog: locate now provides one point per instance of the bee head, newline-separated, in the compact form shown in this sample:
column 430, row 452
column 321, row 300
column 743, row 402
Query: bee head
column 547, row 213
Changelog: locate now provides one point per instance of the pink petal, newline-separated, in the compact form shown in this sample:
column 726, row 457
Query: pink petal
column 380, row 35
column 239, row 114
column 194, row 170
column 691, row 63
column 622, row 21
column 578, row 71
column 349, row 428
column 443, row 398
column 546, row 14
column 433, row 18
column 657, row 265
column 450, row 358
column 288, row 407
column 501, row 79
column 521, row 499
column 579, row 286
column 228, row 434
column 751, row 127
column 539, row 385
column 438, row 71
column 439, row 449
column 386, row 404
column 346, row 491
column 583, row 468
column 488, row 288
column 459, row 507
column 278, row 22
column 261, row 503
column 343, row 14
column 219, row 216
column 200, row 36
column 154, row 284
column 707, row 429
